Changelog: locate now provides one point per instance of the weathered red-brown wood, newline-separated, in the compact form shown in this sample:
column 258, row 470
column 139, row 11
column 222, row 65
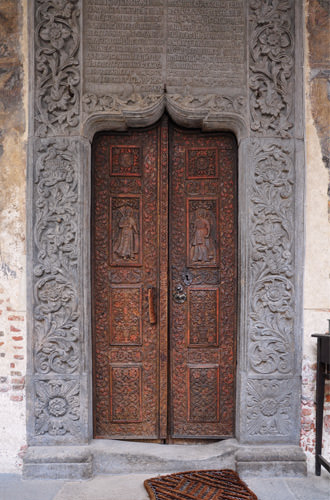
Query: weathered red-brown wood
column 125, row 267
column 133, row 347
column 203, row 284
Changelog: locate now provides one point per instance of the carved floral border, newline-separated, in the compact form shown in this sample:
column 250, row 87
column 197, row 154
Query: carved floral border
column 57, row 68
column 271, row 67
column 136, row 101
column 56, row 311
column 271, row 269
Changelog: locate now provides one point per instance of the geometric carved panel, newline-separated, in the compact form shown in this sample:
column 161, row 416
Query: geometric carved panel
column 202, row 216
column 126, row 393
column 126, row 315
column 203, row 390
column 202, row 163
column 125, row 231
column 203, row 313
column 125, row 161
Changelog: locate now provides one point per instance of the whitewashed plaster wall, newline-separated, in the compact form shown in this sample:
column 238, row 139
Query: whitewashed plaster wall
column 316, row 284
column 13, row 138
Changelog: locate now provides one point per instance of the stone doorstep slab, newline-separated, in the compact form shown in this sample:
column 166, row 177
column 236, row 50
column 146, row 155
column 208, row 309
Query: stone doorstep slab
column 117, row 457
column 270, row 461
column 58, row 462
column 124, row 457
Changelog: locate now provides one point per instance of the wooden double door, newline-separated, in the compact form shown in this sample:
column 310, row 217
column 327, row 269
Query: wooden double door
column 164, row 283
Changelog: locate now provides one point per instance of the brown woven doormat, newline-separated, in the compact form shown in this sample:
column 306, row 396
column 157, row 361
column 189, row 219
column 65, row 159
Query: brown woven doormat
column 199, row 485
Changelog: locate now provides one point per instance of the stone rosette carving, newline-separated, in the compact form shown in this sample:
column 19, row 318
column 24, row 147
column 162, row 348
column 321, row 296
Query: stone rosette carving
column 56, row 316
column 271, row 66
column 57, row 40
column 269, row 407
column 271, row 312
column 57, row 407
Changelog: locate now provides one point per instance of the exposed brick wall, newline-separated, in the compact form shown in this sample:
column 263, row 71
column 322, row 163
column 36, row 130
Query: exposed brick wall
column 12, row 349
column 308, row 409
column 12, row 381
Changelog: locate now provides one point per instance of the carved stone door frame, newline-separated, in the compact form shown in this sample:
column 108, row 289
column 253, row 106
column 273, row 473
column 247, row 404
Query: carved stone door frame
column 267, row 119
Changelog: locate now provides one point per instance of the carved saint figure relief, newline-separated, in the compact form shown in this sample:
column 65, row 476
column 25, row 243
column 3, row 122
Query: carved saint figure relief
column 202, row 248
column 126, row 245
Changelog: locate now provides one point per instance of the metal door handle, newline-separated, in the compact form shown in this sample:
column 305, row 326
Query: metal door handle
column 152, row 307
column 179, row 295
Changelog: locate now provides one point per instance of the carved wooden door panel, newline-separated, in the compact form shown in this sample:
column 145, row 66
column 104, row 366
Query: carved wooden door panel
column 202, row 255
column 137, row 355
column 126, row 273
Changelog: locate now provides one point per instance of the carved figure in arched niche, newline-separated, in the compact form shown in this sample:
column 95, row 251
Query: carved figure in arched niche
column 201, row 248
column 127, row 243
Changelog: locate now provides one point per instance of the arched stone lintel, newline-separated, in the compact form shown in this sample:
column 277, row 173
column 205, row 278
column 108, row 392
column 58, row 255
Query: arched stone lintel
column 210, row 113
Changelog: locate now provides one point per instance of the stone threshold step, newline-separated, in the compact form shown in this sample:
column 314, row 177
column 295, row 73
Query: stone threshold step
column 125, row 457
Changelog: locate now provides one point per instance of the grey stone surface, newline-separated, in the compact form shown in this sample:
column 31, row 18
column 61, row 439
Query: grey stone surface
column 270, row 489
column 316, row 488
column 130, row 487
column 118, row 457
column 270, row 454
column 263, row 461
column 13, row 487
column 309, row 488
column 124, row 457
column 58, row 462
column 121, row 487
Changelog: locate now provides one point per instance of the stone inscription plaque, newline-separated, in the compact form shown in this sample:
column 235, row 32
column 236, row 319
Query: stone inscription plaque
column 205, row 44
column 123, row 45
column 144, row 44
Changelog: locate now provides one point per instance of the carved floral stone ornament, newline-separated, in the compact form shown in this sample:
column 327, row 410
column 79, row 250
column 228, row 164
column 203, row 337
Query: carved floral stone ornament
column 271, row 67
column 56, row 240
column 272, row 305
column 269, row 407
column 57, row 66
column 117, row 104
column 57, row 407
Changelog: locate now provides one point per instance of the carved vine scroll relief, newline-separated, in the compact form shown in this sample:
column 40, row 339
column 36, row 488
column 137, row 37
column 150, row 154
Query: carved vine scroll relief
column 57, row 324
column 271, row 67
column 271, row 344
column 271, row 298
column 271, row 319
column 57, row 68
